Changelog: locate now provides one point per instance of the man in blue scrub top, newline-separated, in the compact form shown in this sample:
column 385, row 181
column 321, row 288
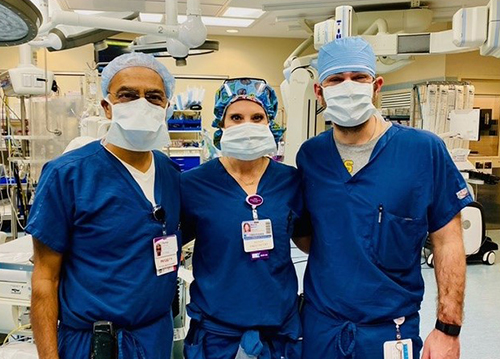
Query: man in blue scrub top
column 99, row 213
column 374, row 190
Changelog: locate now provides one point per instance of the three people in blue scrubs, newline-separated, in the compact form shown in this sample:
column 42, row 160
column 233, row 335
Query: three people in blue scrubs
column 373, row 191
column 105, row 228
column 243, row 208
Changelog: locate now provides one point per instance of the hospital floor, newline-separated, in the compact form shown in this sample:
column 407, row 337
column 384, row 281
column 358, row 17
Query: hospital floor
column 480, row 336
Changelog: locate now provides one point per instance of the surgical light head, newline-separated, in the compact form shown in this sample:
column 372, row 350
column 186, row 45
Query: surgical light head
column 350, row 54
column 19, row 22
column 256, row 90
column 137, row 59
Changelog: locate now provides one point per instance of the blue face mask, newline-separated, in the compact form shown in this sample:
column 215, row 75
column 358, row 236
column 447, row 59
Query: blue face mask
column 138, row 126
column 349, row 103
column 247, row 141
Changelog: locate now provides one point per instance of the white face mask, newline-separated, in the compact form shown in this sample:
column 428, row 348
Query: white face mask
column 138, row 126
column 349, row 103
column 247, row 141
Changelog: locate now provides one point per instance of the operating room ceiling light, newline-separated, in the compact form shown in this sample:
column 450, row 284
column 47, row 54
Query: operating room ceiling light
column 221, row 21
column 19, row 22
column 243, row 12
column 149, row 17
column 207, row 20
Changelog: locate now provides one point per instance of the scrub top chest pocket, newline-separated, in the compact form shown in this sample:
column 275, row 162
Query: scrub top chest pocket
column 397, row 240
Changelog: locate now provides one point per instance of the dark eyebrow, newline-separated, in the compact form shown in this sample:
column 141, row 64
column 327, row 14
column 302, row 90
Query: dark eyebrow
column 161, row 92
column 126, row 88
column 335, row 77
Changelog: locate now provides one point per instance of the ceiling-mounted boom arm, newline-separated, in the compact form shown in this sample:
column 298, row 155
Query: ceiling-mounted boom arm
column 179, row 37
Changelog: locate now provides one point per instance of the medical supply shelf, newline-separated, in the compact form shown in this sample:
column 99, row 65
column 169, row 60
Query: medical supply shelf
column 185, row 120
column 186, row 151
column 185, row 132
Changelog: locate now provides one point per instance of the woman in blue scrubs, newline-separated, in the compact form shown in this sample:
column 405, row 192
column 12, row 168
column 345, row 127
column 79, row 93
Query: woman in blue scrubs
column 243, row 208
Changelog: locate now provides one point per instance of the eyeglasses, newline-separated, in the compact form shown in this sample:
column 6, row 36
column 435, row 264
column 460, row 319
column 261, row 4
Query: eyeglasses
column 240, row 85
column 155, row 98
column 158, row 213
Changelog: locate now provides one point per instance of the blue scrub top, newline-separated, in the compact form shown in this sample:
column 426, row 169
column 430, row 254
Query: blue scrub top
column 229, row 287
column 89, row 208
column 369, row 228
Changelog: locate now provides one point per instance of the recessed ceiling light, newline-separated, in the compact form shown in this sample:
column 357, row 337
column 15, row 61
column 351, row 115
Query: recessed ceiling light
column 88, row 12
column 232, row 31
column 220, row 21
column 244, row 12
column 147, row 17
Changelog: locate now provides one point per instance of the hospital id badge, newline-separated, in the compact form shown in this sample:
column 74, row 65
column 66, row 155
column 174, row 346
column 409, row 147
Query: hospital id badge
column 257, row 235
column 165, row 254
column 398, row 349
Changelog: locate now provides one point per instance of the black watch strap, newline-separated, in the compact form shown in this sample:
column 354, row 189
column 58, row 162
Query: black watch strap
column 448, row 329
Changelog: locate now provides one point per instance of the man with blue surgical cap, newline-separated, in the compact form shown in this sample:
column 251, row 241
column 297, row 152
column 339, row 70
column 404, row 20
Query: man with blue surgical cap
column 105, row 229
column 374, row 191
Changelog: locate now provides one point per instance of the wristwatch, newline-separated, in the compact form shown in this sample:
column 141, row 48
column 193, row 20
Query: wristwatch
column 448, row 329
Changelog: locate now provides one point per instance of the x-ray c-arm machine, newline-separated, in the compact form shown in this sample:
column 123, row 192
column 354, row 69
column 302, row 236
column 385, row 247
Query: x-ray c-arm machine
column 473, row 28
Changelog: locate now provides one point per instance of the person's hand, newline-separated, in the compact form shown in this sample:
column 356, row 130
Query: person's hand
column 441, row 346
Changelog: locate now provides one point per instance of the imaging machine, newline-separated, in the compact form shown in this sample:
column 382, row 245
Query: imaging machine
column 473, row 28
column 15, row 283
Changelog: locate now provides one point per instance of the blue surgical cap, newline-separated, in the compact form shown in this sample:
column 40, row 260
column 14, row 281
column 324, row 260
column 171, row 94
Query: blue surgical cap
column 255, row 90
column 350, row 54
column 136, row 59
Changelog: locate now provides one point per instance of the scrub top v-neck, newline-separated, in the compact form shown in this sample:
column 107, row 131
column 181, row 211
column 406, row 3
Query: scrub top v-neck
column 229, row 286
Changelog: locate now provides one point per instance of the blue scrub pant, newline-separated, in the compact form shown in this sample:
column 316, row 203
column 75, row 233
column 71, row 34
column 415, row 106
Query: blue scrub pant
column 203, row 344
column 333, row 338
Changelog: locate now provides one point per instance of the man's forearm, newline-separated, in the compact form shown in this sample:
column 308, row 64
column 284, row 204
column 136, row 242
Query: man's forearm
column 44, row 313
column 450, row 269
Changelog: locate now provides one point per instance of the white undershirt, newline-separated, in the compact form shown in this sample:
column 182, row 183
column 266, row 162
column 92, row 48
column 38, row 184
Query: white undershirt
column 145, row 180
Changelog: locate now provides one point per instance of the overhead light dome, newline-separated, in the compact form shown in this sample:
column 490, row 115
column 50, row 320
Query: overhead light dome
column 19, row 22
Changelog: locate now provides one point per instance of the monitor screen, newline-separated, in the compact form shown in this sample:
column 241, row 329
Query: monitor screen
column 114, row 49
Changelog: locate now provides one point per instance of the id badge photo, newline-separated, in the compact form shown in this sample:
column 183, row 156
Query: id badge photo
column 165, row 254
column 257, row 235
